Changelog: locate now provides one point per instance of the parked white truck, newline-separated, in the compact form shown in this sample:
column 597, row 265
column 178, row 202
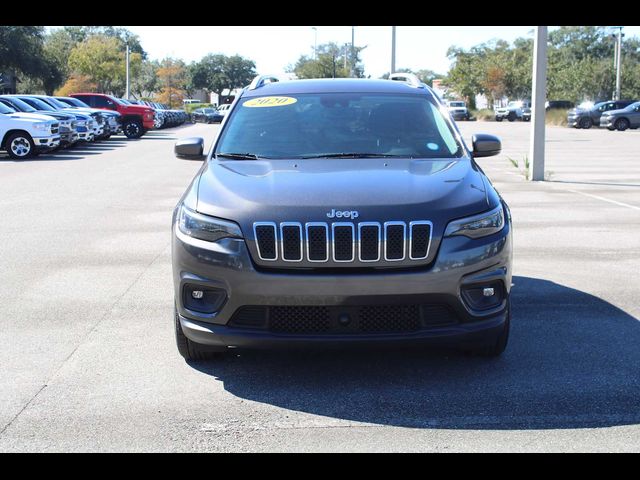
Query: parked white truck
column 24, row 135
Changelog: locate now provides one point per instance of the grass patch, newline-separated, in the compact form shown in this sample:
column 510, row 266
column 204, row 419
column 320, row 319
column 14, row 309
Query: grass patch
column 556, row 117
column 484, row 115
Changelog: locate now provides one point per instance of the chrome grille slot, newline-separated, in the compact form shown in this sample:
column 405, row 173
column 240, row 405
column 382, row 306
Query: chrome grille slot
column 291, row 235
column 344, row 242
column 394, row 243
column 419, row 240
column 370, row 236
column 265, row 234
column 317, row 242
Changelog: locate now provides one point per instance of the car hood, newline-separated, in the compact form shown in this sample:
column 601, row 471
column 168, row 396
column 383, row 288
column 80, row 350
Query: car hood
column 247, row 191
column 59, row 115
column 612, row 113
column 32, row 117
column 140, row 108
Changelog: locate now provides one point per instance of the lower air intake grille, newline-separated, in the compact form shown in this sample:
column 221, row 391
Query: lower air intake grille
column 389, row 318
column 343, row 320
column 299, row 319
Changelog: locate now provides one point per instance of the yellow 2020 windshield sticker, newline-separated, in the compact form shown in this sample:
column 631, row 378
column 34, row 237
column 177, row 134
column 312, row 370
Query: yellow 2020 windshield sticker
column 270, row 102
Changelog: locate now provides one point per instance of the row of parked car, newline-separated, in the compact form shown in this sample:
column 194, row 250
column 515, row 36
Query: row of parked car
column 32, row 124
column 612, row 114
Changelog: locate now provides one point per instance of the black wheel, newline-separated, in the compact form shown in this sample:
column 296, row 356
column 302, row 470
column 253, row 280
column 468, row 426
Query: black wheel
column 20, row 146
column 512, row 116
column 194, row 351
column 132, row 129
column 498, row 119
column 585, row 122
column 499, row 345
column 622, row 124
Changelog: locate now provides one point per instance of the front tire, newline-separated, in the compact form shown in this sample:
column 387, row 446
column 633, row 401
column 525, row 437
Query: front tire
column 191, row 350
column 132, row 129
column 20, row 146
column 585, row 123
column 512, row 116
column 499, row 344
column 622, row 124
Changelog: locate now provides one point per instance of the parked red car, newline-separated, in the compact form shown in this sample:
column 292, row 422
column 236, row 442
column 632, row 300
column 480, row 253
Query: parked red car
column 136, row 119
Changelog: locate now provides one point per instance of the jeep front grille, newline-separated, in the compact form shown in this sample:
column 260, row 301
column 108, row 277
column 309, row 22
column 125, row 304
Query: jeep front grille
column 342, row 242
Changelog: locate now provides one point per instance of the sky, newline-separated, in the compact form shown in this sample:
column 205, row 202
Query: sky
column 274, row 48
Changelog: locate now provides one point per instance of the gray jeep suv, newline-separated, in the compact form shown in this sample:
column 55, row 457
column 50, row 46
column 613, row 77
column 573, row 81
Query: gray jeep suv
column 340, row 212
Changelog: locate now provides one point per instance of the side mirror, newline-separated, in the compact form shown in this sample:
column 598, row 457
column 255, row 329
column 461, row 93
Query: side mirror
column 190, row 148
column 485, row 145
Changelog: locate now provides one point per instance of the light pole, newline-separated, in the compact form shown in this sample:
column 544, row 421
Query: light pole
column 353, row 52
column 315, row 45
column 539, row 87
column 393, row 49
column 618, row 62
column 127, row 71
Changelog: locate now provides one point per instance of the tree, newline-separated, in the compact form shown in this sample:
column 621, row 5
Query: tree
column 172, row 80
column 76, row 84
column 102, row 59
column 145, row 83
column 425, row 75
column 215, row 72
column 332, row 61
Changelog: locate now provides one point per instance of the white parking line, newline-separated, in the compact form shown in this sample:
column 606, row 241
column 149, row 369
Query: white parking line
column 605, row 199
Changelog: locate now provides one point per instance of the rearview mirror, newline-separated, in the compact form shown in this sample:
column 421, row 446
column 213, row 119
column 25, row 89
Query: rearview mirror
column 485, row 145
column 189, row 148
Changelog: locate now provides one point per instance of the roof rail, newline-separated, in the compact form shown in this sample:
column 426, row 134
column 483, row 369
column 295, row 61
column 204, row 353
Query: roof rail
column 261, row 80
column 408, row 78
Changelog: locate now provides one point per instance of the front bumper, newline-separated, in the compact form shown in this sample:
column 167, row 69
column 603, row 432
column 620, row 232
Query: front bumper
column 47, row 142
column 460, row 115
column 607, row 122
column 460, row 262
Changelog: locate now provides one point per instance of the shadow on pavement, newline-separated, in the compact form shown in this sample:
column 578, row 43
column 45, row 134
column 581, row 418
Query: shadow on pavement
column 573, row 361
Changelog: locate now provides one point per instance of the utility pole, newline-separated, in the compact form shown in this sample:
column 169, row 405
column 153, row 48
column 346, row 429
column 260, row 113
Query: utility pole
column 127, row 89
column 346, row 54
column 315, row 45
column 539, row 87
column 353, row 52
column 618, row 62
column 393, row 49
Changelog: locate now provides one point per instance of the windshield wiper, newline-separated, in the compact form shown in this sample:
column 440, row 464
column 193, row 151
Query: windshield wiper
column 239, row 156
column 353, row 155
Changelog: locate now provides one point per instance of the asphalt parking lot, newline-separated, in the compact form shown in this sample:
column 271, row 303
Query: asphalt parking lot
column 88, row 355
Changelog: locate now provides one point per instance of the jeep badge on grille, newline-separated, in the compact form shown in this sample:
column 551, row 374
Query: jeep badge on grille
column 353, row 214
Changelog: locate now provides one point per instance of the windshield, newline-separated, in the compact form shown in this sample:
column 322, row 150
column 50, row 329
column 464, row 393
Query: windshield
column 335, row 124
column 55, row 102
column 123, row 101
column 209, row 110
column 22, row 106
column 456, row 104
column 5, row 109
column 74, row 101
column 39, row 104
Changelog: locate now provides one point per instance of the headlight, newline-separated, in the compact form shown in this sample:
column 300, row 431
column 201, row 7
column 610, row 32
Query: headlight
column 204, row 227
column 41, row 126
column 477, row 226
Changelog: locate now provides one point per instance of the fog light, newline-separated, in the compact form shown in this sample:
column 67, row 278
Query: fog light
column 203, row 299
column 483, row 297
